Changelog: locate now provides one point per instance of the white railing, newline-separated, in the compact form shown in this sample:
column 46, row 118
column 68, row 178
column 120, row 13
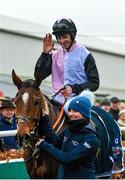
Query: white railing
column 8, row 133
column 14, row 132
column 122, row 128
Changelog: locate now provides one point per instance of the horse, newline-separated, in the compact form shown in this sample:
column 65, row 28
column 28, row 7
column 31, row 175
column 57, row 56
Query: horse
column 30, row 103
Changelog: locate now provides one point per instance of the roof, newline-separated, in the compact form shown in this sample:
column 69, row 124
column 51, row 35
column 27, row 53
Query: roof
column 19, row 26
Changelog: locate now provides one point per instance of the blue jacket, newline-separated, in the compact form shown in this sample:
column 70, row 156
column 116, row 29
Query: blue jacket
column 10, row 141
column 76, row 152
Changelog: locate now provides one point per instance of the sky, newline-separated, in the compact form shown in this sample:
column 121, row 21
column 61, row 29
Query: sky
column 96, row 18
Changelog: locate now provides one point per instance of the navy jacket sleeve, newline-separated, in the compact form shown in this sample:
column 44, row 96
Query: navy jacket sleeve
column 92, row 75
column 45, row 129
column 82, row 151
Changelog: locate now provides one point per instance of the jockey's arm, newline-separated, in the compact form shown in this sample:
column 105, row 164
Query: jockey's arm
column 43, row 67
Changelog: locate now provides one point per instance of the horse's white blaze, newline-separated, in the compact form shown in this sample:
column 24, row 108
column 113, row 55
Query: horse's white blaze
column 25, row 97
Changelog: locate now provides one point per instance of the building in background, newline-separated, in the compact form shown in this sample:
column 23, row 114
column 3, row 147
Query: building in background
column 20, row 46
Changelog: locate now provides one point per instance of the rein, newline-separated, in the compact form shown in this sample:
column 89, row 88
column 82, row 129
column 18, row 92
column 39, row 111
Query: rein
column 59, row 117
column 59, row 91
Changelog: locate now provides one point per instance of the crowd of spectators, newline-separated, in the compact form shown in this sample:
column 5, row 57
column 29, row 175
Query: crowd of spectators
column 116, row 109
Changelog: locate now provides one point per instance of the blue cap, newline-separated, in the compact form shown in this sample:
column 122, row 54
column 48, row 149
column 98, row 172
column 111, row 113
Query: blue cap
column 81, row 104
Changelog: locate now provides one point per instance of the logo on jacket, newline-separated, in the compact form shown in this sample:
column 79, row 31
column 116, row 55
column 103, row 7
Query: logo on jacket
column 75, row 143
column 87, row 145
column 65, row 139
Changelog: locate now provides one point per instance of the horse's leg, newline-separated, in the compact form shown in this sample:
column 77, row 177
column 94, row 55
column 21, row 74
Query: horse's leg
column 52, row 166
column 30, row 164
column 41, row 170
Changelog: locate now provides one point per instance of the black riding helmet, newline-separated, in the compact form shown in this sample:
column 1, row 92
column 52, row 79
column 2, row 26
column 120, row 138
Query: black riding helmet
column 63, row 26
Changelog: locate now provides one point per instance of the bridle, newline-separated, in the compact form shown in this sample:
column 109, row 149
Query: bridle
column 32, row 135
column 24, row 118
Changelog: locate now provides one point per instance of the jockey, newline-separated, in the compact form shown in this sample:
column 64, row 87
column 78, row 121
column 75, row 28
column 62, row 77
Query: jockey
column 72, row 64
column 76, row 147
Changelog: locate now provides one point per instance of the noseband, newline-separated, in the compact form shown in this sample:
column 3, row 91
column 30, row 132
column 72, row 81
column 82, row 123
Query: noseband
column 25, row 118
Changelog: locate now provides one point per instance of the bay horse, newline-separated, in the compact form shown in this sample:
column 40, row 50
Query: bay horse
column 30, row 102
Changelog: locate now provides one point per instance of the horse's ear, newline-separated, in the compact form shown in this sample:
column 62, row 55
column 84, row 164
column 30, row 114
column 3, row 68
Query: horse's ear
column 16, row 79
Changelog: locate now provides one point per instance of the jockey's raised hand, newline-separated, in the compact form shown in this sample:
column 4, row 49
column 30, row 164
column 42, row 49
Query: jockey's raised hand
column 47, row 43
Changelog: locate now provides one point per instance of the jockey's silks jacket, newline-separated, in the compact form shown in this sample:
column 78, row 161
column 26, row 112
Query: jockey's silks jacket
column 76, row 67
column 76, row 152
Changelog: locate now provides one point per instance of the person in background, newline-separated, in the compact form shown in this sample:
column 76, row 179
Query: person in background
column 77, row 146
column 97, row 104
column 121, row 122
column 114, row 108
column 8, row 122
column 105, row 104
column 1, row 94
column 121, row 105
column 1, row 100
column 72, row 65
